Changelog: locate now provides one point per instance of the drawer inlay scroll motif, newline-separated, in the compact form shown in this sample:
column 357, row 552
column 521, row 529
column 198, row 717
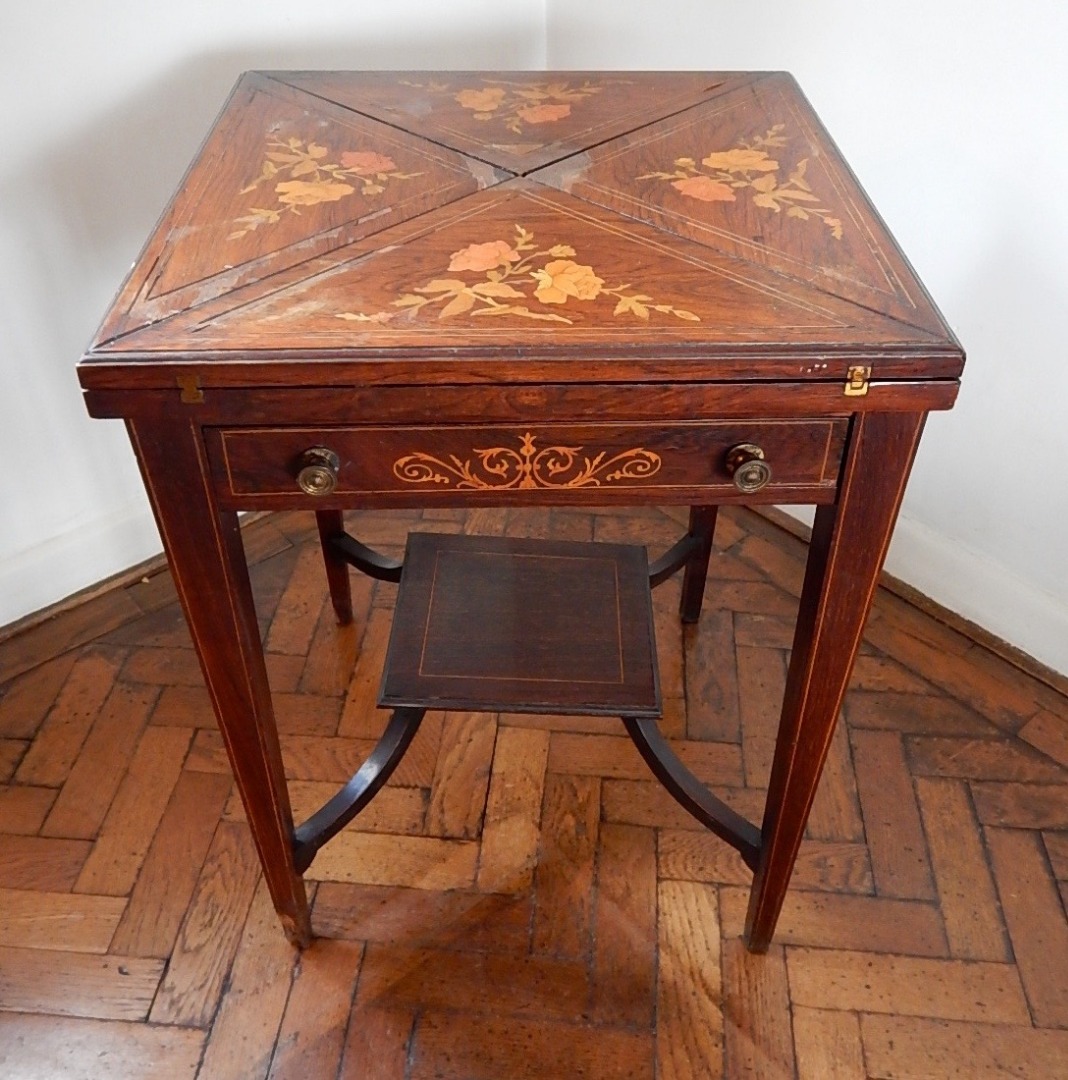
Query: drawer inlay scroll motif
column 501, row 467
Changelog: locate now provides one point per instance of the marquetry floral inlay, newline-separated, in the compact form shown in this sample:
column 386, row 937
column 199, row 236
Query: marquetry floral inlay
column 515, row 104
column 501, row 467
column 750, row 166
column 510, row 275
column 306, row 174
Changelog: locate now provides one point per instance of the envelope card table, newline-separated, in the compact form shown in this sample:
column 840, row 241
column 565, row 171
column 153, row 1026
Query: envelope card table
column 470, row 289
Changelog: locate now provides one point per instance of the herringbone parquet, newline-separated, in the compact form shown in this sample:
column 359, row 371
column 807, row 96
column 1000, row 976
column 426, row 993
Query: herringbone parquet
column 522, row 900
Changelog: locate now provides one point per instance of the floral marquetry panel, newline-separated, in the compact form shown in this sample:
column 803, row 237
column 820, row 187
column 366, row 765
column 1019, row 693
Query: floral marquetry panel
column 451, row 226
column 282, row 178
column 518, row 120
column 752, row 173
column 518, row 264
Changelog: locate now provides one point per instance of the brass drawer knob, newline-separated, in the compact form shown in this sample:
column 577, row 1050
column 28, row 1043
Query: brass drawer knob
column 318, row 468
column 746, row 464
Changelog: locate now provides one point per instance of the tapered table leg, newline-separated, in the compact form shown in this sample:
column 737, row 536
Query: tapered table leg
column 849, row 543
column 331, row 524
column 203, row 545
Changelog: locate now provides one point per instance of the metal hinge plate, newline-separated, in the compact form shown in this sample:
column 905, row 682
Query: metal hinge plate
column 857, row 380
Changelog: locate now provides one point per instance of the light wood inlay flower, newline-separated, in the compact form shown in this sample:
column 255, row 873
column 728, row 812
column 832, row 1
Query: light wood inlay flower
column 304, row 175
column 514, row 272
column 725, row 173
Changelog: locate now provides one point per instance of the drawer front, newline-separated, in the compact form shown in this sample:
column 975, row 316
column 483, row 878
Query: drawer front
column 422, row 465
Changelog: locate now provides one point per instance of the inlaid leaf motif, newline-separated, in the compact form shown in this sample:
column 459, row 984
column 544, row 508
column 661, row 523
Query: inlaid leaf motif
column 633, row 304
column 310, row 192
column 495, row 288
column 442, row 285
column 460, row 303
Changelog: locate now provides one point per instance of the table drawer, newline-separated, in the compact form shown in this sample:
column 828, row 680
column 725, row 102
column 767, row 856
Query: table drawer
column 420, row 465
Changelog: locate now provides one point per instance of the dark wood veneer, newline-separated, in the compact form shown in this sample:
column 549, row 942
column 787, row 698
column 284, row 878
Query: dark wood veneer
column 515, row 625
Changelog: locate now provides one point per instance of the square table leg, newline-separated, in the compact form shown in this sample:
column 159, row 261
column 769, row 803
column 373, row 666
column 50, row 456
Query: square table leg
column 849, row 544
column 203, row 546
column 702, row 528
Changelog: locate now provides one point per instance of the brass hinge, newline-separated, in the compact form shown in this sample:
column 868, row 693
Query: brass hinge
column 190, row 387
column 857, row 380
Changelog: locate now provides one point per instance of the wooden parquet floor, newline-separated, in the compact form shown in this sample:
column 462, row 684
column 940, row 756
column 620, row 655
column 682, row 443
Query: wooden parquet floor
column 522, row 900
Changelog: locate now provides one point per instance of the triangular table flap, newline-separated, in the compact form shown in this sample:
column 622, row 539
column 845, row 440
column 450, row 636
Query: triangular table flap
column 520, row 266
column 284, row 176
column 753, row 173
column 517, row 120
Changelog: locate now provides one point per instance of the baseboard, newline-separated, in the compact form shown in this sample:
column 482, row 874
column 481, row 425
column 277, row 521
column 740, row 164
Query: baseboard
column 972, row 593
column 40, row 580
column 982, row 591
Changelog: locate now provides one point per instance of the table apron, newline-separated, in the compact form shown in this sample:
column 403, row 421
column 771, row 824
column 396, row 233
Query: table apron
column 515, row 464
column 188, row 398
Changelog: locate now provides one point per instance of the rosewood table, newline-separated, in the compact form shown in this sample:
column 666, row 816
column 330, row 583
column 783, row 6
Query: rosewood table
column 467, row 289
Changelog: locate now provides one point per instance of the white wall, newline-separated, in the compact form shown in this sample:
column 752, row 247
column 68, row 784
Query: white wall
column 954, row 115
column 104, row 105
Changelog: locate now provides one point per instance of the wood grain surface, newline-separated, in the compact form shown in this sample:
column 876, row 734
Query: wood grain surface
column 455, row 222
